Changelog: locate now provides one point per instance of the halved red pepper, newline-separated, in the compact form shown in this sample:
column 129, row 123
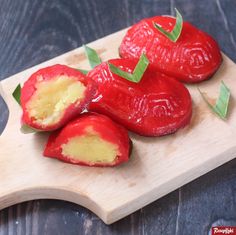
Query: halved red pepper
column 92, row 140
column 156, row 106
column 54, row 95
column 194, row 57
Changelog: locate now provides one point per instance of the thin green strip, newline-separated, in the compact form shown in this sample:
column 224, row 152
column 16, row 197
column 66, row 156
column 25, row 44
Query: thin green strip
column 175, row 33
column 27, row 130
column 92, row 56
column 138, row 72
column 17, row 94
column 221, row 106
column 83, row 71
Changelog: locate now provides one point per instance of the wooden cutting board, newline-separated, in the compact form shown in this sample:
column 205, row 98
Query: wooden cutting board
column 157, row 166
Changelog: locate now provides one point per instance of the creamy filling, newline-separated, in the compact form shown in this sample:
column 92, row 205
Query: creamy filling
column 90, row 148
column 52, row 97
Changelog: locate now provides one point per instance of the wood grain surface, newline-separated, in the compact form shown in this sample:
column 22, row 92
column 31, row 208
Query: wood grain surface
column 34, row 31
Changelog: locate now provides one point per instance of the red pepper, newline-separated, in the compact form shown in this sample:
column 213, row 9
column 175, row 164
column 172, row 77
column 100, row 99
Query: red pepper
column 156, row 106
column 92, row 140
column 54, row 95
column 194, row 57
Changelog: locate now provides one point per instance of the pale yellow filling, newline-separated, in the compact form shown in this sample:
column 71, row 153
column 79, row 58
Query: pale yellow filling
column 53, row 97
column 90, row 149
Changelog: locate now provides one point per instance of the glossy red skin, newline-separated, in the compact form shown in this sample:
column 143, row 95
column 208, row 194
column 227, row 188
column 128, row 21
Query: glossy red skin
column 193, row 58
column 107, row 129
column 156, row 106
column 49, row 73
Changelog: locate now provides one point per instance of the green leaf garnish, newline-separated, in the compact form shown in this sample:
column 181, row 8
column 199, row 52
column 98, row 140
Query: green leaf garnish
column 221, row 106
column 83, row 71
column 17, row 93
column 27, row 130
column 175, row 33
column 138, row 72
column 92, row 56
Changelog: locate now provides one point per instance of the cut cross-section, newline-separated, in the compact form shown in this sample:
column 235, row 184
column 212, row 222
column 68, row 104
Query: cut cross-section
column 90, row 148
column 54, row 95
column 91, row 139
column 47, row 109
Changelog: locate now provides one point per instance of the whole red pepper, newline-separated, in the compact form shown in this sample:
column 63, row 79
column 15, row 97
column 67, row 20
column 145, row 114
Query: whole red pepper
column 194, row 57
column 54, row 95
column 92, row 140
column 156, row 106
